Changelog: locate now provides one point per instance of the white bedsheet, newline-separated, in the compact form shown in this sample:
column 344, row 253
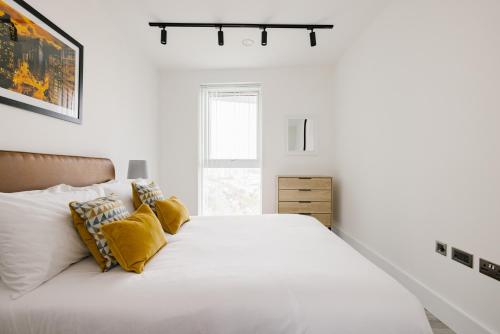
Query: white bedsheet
column 258, row 274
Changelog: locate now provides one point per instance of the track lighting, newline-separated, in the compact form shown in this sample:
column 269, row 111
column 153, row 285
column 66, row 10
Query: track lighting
column 312, row 38
column 264, row 37
column 163, row 36
column 220, row 33
column 220, row 36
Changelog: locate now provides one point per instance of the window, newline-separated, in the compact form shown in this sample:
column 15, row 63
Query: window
column 230, row 169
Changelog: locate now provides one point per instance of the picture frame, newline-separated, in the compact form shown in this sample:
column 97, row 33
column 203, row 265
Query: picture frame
column 301, row 143
column 41, row 66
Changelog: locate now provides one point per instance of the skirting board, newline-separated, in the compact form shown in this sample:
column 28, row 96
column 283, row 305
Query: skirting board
column 450, row 314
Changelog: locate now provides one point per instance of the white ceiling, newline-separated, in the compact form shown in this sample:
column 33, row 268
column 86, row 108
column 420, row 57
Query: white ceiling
column 196, row 48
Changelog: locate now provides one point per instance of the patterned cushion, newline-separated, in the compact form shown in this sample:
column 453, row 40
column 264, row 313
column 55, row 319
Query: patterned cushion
column 88, row 218
column 146, row 194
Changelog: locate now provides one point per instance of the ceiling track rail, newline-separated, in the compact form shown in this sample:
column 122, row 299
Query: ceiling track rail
column 241, row 25
column 220, row 34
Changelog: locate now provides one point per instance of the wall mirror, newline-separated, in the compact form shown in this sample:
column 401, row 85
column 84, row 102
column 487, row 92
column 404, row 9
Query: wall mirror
column 300, row 135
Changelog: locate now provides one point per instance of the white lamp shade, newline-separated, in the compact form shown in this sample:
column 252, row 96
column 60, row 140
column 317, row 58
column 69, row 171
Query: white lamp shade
column 137, row 169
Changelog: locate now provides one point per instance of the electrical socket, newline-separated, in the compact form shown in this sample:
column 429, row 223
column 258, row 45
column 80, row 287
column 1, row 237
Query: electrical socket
column 489, row 269
column 441, row 248
column 462, row 257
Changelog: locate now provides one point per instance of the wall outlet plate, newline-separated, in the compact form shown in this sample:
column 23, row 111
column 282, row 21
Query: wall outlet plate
column 441, row 248
column 489, row 269
column 462, row 257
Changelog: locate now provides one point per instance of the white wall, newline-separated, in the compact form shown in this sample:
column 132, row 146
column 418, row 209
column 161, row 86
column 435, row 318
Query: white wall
column 417, row 124
column 120, row 96
column 286, row 91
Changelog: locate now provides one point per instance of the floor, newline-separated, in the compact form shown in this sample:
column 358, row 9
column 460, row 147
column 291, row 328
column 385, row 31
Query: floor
column 437, row 326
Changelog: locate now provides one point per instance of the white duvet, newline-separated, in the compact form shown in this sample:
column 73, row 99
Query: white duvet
column 251, row 274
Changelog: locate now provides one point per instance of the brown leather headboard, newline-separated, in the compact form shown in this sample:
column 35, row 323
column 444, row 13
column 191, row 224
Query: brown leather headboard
column 21, row 171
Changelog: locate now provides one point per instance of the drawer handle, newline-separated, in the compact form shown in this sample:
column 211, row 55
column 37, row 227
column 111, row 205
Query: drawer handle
column 305, row 213
column 304, row 201
column 304, row 189
column 305, row 178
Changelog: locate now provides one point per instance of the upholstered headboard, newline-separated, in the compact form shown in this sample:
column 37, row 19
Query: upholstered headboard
column 21, row 171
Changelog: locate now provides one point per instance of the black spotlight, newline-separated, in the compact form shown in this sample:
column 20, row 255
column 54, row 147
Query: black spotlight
column 220, row 35
column 312, row 38
column 264, row 37
column 163, row 36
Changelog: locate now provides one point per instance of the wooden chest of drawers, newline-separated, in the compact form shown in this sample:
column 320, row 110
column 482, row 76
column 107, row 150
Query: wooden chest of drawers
column 307, row 195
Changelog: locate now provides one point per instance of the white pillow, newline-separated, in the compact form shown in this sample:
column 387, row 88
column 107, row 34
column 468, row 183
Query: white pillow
column 37, row 236
column 59, row 188
column 122, row 189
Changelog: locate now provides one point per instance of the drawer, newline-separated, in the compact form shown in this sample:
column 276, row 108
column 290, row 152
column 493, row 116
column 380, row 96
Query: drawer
column 304, row 207
column 305, row 183
column 324, row 218
column 305, row 195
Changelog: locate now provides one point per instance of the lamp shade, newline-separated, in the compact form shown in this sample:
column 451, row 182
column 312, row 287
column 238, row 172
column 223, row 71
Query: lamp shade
column 137, row 169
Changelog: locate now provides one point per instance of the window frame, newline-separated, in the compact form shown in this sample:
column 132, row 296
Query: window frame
column 203, row 134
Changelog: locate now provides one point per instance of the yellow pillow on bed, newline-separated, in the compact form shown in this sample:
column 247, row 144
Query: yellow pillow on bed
column 136, row 239
column 172, row 214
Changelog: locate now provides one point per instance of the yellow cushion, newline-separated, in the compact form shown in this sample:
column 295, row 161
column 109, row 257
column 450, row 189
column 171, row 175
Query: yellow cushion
column 136, row 239
column 172, row 214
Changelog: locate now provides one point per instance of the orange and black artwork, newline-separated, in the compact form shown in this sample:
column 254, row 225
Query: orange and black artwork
column 40, row 65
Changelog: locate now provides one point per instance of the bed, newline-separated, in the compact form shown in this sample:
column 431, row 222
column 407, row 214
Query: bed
column 244, row 274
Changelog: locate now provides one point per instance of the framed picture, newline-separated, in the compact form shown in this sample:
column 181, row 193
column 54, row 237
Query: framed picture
column 40, row 65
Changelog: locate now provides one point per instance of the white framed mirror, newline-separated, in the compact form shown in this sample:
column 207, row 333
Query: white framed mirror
column 300, row 135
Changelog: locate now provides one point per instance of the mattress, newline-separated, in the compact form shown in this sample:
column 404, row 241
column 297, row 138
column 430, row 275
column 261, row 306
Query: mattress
column 245, row 274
